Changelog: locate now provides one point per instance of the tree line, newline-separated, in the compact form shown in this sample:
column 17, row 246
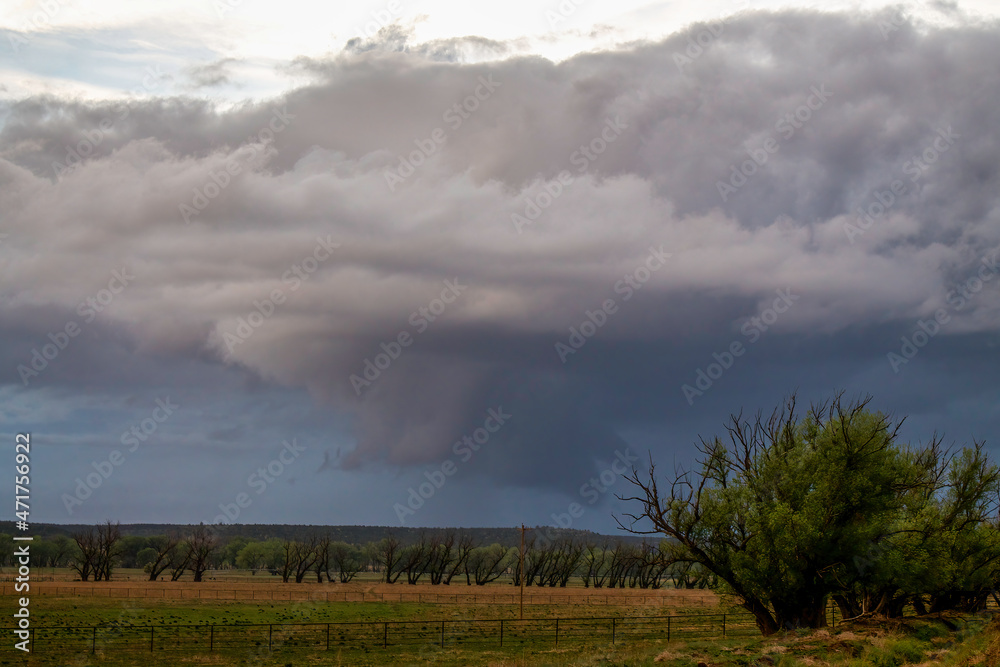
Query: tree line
column 441, row 557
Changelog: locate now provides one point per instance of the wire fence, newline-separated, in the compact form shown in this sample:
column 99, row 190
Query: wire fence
column 385, row 634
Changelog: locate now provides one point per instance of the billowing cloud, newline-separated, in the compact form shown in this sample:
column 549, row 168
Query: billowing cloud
column 411, row 239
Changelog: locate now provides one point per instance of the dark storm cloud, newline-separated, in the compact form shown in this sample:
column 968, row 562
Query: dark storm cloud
column 839, row 108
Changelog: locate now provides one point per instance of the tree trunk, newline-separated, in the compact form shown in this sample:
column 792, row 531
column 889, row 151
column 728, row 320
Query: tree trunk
column 762, row 616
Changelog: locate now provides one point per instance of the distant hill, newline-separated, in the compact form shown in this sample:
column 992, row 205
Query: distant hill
column 354, row 534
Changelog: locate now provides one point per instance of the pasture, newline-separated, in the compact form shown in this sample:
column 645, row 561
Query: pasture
column 261, row 622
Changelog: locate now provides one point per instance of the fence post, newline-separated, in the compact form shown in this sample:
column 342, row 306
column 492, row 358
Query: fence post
column 385, row 634
column 211, row 638
column 93, row 644
column 327, row 636
column 442, row 634
column 557, row 632
column 152, row 629
column 270, row 633
column 612, row 631
column 668, row 628
column 501, row 632
column 723, row 626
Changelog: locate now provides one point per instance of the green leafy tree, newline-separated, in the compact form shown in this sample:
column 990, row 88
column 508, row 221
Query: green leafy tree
column 229, row 553
column 145, row 557
column 778, row 510
column 347, row 560
column 129, row 547
column 253, row 557
column 942, row 551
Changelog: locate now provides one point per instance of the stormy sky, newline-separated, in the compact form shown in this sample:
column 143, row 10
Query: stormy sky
column 427, row 264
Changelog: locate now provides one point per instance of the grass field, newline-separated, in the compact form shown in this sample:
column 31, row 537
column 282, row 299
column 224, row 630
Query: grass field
column 917, row 641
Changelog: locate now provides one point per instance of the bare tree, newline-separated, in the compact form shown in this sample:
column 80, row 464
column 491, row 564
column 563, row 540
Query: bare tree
column 486, row 564
column 288, row 560
column 166, row 554
column 564, row 558
column 620, row 560
column 415, row 559
column 441, row 556
column 322, row 562
column 446, row 558
column 651, row 565
column 201, row 547
column 466, row 544
column 597, row 565
column 86, row 556
column 108, row 549
column 304, row 556
column 387, row 555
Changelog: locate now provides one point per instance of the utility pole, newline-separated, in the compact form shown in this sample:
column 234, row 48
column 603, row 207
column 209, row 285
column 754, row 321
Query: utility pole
column 522, row 571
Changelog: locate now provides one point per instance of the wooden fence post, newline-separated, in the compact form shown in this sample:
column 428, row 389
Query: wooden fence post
column 385, row 634
column 93, row 644
column 612, row 631
column 211, row 638
column 557, row 632
column 152, row 629
column 668, row 628
column 501, row 632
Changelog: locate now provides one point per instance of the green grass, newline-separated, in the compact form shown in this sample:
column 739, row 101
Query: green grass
column 887, row 645
column 170, row 615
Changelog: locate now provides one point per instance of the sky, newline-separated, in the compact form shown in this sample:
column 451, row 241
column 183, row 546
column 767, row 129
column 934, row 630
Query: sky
column 460, row 264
